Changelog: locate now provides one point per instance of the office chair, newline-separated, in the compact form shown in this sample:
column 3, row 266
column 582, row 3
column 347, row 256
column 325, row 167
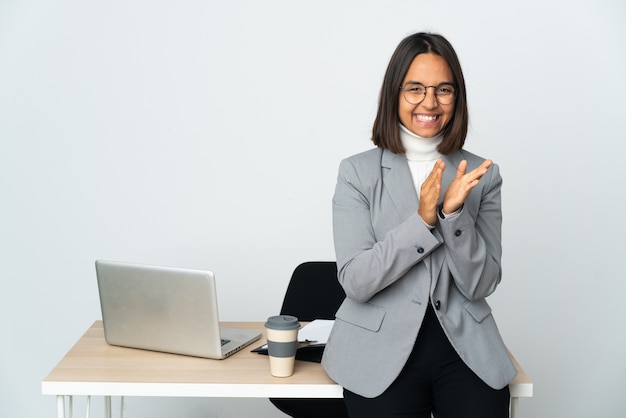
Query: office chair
column 313, row 293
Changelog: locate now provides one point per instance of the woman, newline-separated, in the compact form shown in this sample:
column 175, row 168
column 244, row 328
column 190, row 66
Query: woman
column 417, row 230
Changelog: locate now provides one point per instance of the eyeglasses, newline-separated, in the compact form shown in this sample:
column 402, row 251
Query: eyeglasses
column 415, row 93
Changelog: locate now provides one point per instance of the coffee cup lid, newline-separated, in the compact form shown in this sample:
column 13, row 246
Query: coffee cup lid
column 282, row 322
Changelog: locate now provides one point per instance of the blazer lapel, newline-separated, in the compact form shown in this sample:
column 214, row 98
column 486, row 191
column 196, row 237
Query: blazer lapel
column 398, row 182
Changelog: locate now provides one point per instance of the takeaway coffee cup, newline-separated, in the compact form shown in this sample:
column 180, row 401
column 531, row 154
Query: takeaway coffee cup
column 282, row 343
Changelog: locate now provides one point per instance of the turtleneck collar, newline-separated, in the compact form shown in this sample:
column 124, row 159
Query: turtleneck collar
column 418, row 148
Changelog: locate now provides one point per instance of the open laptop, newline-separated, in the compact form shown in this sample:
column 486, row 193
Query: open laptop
column 167, row 309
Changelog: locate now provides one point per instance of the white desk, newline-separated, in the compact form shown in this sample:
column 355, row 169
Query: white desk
column 94, row 368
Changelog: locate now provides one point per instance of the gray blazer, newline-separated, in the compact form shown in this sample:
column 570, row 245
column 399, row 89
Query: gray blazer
column 390, row 264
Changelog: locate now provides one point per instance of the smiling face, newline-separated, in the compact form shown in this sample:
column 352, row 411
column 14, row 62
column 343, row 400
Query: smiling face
column 428, row 118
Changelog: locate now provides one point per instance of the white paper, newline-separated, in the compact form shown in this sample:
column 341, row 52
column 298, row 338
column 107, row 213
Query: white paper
column 316, row 332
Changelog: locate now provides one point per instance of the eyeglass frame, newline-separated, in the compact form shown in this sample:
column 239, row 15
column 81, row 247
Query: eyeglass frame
column 404, row 90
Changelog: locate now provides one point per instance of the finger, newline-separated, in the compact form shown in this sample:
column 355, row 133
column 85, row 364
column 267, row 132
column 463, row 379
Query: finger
column 460, row 170
column 485, row 164
column 439, row 166
column 436, row 174
column 481, row 170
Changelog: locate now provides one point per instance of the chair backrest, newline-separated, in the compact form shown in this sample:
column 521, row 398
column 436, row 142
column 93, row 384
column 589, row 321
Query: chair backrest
column 313, row 291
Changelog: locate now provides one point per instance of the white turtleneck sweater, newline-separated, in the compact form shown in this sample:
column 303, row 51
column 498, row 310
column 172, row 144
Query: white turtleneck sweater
column 421, row 154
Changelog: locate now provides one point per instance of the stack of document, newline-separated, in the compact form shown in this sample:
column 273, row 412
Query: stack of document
column 316, row 332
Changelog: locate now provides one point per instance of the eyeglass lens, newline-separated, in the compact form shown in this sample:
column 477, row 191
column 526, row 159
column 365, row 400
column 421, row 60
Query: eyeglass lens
column 415, row 93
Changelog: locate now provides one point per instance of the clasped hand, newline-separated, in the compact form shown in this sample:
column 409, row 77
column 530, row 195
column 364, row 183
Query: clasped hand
column 457, row 191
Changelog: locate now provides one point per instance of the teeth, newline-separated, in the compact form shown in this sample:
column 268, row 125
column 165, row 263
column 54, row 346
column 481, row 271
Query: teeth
column 426, row 118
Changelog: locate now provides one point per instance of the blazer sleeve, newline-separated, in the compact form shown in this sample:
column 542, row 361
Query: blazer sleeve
column 368, row 263
column 472, row 240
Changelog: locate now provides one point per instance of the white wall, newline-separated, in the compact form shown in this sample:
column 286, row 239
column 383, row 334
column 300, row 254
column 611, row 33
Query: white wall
column 207, row 134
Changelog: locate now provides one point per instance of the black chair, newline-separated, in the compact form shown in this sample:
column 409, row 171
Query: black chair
column 313, row 293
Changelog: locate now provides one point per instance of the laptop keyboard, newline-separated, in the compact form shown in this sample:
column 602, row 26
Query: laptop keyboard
column 224, row 342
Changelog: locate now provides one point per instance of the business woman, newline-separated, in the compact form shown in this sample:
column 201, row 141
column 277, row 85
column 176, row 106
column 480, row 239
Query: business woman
column 417, row 231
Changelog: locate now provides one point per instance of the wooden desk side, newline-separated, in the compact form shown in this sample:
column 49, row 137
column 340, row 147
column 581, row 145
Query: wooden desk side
column 93, row 367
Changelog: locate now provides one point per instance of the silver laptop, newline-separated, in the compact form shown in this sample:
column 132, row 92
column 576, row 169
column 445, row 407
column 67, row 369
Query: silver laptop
column 167, row 309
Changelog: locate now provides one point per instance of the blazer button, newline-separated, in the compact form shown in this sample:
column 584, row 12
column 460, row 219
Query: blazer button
column 420, row 250
column 457, row 233
column 438, row 305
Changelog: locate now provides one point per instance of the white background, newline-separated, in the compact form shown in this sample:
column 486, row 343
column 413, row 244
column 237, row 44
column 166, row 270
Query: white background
column 207, row 134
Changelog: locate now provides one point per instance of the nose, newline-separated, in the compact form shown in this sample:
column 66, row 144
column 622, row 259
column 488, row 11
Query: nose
column 430, row 99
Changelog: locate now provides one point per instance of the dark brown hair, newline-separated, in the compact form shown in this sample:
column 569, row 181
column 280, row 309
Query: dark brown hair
column 386, row 133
